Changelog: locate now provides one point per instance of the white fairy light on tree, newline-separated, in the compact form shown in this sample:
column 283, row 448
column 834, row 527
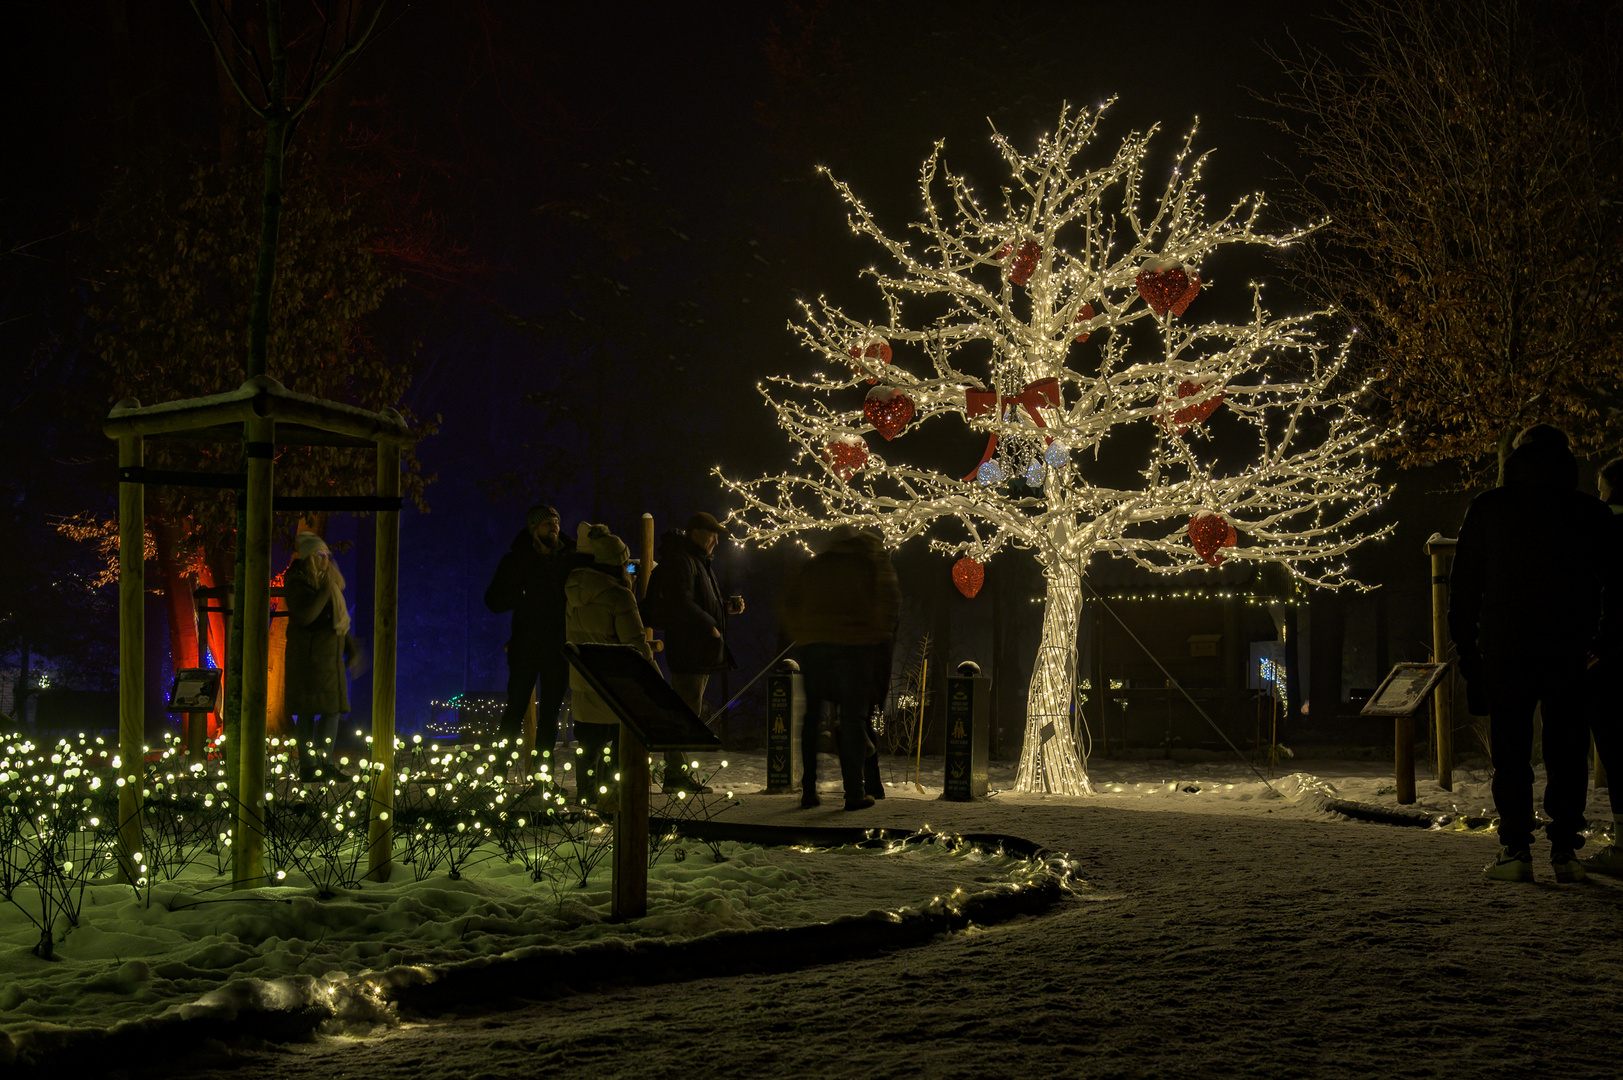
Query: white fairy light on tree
column 1035, row 328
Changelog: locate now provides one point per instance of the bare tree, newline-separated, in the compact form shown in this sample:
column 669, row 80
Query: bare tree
column 1467, row 157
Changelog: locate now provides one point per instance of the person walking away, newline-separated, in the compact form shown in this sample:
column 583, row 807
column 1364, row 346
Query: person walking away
column 1523, row 612
column 319, row 649
column 600, row 608
column 529, row 582
column 685, row 602
column 840, row 609
column 1604, row 690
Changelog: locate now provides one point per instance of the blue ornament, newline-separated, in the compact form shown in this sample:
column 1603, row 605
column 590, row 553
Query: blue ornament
column 1058, row 455
column 1034, row 472
column 990, row 473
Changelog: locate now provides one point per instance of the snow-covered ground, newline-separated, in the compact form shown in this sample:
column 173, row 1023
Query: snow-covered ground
column 1215, row 925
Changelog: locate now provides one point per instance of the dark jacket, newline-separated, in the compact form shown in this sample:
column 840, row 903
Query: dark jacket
column 685, row 602
column 316, row 652
column 847, row 595
column 1531, row 567
column 1609, row 639
column 530, row 584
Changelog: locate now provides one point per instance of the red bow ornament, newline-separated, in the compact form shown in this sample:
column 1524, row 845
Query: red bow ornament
column 1168, row 285
column 978, row 402
column 1208, row 533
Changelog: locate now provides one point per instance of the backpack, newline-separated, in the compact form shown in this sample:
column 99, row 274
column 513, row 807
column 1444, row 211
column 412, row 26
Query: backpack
column 655, row 607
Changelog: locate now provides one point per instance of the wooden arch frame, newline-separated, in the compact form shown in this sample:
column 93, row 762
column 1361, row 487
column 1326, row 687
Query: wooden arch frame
column 260, row 414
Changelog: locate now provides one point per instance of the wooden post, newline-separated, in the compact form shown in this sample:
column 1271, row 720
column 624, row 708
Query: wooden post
column 1403, row 758
column 645, row 567
column 385, row 623
column 631, row 830
column 248, row 845
column 131, row 656
column 1442, row 699
column 526, row 752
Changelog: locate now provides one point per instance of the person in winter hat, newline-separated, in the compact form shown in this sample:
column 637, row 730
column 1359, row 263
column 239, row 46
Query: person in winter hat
column 601, row 609
column 529, row 582
column 841, row 610
column 318, row 650
column 686, row 603
column 1601, row 681
column 1524, row 609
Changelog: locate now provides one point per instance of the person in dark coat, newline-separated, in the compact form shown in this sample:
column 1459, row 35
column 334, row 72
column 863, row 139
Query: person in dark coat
column 318, row 650
column 685, row 601
column 841, row 611
column 1526, row 603
column 529, row 582
column 1602, row 678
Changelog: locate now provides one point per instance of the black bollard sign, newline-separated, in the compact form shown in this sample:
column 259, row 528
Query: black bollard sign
column 968, row 721
column 785, row 705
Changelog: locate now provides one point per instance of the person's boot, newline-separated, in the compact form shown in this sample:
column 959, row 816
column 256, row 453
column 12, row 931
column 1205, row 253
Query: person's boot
column 1510, row 866
column 861, row 802
column 808, row 791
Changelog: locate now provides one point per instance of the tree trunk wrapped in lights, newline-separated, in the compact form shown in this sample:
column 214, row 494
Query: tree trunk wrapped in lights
column 1057, row 326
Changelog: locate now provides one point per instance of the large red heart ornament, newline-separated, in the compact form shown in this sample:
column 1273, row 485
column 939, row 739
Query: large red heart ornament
column 888, row 410
column 968, row 575
column 846, row 455
column 878, row 349
column 1208, row 533
column 1167, row 285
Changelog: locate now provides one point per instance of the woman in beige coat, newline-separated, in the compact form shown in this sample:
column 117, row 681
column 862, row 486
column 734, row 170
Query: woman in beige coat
column 599, row 608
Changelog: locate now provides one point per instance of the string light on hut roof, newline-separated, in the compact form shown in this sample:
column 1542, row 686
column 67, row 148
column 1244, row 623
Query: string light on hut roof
column 1075, row 312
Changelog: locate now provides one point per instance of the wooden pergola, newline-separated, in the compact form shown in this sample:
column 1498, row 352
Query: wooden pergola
column 260, row 415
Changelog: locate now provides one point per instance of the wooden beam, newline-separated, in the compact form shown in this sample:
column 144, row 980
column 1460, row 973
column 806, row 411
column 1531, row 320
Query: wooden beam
column 385, row 625
column 248, row 845
column 131, row 661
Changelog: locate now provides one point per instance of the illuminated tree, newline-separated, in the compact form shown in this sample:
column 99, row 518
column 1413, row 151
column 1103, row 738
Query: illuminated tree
column 1055, row 326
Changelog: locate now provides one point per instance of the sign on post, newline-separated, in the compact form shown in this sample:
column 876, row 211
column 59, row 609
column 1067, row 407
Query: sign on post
column 653, row 718
column 785, row 713
column 1404, row 691
column 968, row 720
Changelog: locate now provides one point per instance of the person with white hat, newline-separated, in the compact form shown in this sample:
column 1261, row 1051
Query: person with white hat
column 319, row 648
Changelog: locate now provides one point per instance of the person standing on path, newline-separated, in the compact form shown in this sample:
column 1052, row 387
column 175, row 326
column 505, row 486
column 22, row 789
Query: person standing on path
column 685, row 601
column 600, row 609
column 529, row 582
column 319, row 649
column 841, row 609
column 1526, row 602
column 1604, row 691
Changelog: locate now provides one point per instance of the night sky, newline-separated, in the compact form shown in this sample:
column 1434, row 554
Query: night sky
column 628, row 209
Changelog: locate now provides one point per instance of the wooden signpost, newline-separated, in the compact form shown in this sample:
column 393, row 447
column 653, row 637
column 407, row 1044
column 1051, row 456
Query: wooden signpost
column 653, row 719
column 1404, row 692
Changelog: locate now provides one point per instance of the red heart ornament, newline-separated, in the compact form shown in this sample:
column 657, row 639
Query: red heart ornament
column 1208, row 533
column 1163, row 284
column 879, row 349
column 1082, row 316
column 968, row 575
column 1025, row 262
column 1180, row 305
column 1180, row 419
column 888, row 410
column 846, row 455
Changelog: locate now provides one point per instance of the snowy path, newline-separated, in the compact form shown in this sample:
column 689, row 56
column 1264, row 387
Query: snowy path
column 1219, row 939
